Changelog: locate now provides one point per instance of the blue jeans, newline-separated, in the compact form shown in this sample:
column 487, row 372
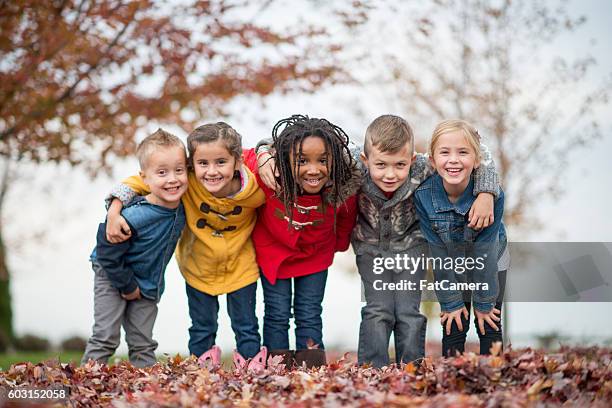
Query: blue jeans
column 204, row 309
column 307, row 296
column 455, row 341
column 388, row 311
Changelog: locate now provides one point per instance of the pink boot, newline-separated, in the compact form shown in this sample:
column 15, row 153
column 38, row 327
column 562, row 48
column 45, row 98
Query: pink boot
column 256, row 364
column 211, row 358
column 239, row 361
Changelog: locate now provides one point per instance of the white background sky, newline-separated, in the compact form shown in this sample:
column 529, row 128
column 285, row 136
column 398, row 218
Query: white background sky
column 52, row 282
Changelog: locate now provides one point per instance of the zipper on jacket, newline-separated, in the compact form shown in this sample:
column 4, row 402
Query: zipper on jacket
column 164, row 264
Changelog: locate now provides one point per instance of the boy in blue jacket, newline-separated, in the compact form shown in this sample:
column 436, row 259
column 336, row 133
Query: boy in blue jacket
column 129, row 276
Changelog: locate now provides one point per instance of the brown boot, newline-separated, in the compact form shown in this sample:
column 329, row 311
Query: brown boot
column 288, row 357
column 312, row 358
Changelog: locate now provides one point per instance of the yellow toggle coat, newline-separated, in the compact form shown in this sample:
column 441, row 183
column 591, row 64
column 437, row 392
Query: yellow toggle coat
column 215, row 253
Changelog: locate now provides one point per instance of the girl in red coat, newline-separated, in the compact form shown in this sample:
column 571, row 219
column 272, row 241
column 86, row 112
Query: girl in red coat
column 300, row 227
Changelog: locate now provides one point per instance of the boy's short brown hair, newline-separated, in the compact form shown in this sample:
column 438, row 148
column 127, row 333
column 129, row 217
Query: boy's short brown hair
column 388, row 133
column 159, row 139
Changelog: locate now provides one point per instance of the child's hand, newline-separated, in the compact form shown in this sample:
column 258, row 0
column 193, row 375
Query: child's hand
column 135, row 295
column 481, row 213
column 490, row 318
column 267, row 170
column 117, row 228
column 455, row 316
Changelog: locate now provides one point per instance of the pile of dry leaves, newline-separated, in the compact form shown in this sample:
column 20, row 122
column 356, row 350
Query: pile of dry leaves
column 573, row 376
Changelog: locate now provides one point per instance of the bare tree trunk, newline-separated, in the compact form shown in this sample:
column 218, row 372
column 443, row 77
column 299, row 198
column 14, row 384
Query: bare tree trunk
column 6, row 311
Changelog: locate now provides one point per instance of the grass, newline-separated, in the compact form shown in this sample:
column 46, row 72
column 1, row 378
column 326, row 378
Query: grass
column 8, row 359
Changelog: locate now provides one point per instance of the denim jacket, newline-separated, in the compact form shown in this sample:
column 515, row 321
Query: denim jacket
column 444, row 225
column 141, row 260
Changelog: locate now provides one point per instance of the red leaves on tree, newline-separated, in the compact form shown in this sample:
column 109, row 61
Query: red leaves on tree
column 78, row 77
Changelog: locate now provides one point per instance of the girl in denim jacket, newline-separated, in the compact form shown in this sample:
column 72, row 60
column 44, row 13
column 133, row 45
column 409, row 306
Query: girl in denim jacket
column 462, row 258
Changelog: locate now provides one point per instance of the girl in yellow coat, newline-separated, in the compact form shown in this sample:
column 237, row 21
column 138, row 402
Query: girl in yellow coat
column 215, row 253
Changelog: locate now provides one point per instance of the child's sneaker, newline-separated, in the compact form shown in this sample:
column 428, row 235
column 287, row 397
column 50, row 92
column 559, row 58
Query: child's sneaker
column 211, row 358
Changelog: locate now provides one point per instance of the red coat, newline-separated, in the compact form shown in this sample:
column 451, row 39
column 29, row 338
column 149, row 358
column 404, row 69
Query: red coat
column 309, row 245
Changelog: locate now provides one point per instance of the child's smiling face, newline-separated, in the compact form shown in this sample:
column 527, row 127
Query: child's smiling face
column 312, row 165
column 165, row 173
column 389, row 171
column 454, row 159
column 214, row 167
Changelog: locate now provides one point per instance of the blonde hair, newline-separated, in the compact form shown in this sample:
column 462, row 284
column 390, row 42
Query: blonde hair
column 388, row 133
column 155, row 141
column 454, row 125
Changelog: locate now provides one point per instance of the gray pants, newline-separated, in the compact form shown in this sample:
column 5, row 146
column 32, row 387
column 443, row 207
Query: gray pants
column 111, row 311
column 389, row 311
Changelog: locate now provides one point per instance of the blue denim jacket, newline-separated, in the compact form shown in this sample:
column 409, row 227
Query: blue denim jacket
column 141, row 260
column 444, row 225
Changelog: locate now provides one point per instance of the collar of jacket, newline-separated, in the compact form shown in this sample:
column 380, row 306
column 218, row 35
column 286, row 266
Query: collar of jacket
column 142, row 200
column 137, row 199
column 400, row 194
column 250, row 196
column 441, row 203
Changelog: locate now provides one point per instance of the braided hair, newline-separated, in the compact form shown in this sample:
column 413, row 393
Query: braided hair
column 288, row 135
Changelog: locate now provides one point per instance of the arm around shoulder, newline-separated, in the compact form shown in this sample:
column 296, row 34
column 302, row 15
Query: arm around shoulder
column 421, row 168
column 127, row 190
column 486, row 178
column 491, row 233
column 111, row 258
